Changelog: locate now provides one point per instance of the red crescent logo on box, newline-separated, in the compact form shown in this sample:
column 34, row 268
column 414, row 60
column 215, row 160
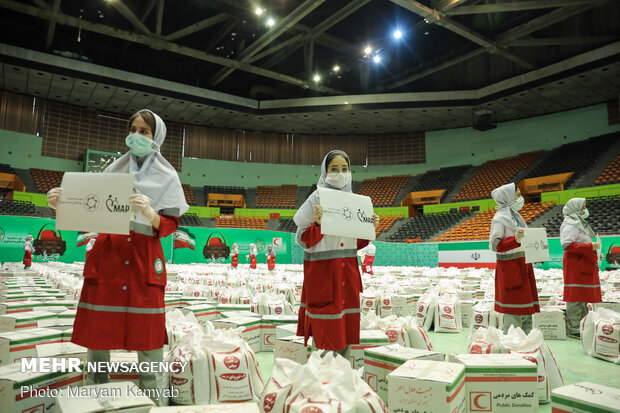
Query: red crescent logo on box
column 269, row 401
column 232, row 362
column 447, row 309
column 480, row 401
column 607, row 329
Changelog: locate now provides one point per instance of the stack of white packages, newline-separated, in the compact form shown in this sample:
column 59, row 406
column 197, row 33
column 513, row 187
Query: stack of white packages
column 531, row 347
column 399, row 330
column 222, row 368
column 324, row 384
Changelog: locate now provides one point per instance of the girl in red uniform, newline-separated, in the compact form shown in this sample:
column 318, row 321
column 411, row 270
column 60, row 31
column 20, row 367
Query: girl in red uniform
column 368, row 253
column 28, row 250
column 330, row 304
column 122, row 301
column 515, row 287
column 581, row 282
column 252, row 256
column 234, row 256
column 271, row 258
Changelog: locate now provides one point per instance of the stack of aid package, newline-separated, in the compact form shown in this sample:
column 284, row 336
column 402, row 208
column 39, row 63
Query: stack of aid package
column 325, row 384
column 221, row 368
column 448, row 314
column 399, row 330
column 271, row 304
column 600, row 335
column 531, row 347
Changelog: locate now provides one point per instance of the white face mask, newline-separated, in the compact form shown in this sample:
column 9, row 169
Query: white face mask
column 585, row 214
column 517, row 204
column 338, row 180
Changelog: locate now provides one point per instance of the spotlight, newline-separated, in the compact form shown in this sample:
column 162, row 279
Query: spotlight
column 316, row 78
column 258, row 11
column 271, row 22
column 398, row 34
column 376, row 58
column 368, row 50
column 336, row 68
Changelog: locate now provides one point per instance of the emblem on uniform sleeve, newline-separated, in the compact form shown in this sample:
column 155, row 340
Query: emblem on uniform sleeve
column 158, row 265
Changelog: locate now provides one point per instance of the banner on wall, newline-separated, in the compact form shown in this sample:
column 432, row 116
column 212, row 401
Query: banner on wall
column 184, row 239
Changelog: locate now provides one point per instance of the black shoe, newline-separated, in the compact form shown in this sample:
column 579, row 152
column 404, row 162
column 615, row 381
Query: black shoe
column 574, row 335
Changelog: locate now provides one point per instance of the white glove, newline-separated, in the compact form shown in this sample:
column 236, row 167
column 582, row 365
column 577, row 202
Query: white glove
column 142, row 203
column 53, row 196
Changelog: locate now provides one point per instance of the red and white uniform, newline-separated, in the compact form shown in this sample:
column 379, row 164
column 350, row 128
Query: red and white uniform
column 253, row 252
column 234, row 257
column 369, row 257
column 580, row 265
column 330, row 303
column 515, row 285
column 28, row 250
column 122, row 301
column 271, row 259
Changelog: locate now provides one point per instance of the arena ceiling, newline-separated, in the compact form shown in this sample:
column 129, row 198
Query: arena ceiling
column 217, row 63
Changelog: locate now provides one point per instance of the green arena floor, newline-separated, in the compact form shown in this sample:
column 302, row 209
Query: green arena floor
column 575, row 365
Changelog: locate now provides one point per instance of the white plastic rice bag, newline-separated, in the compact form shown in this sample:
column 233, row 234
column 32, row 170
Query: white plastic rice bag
column 417, row 335
column 600, row 335
column 284, row 375
column 532, row 347
column 426, row 309
column 448, row 314
column 368, row 301
column 385, row 305
column 179, row 324
column 486, row 340
column 193, row 381
column 482, row 316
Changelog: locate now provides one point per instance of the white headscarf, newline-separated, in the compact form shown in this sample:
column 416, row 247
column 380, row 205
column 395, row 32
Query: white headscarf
column 253, row 249
column 505, row 196
column 154, row 176
column 305, row 215
column 571, row 216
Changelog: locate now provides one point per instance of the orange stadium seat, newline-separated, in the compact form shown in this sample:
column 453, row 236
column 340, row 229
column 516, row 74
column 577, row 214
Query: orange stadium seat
column 189, row 194
column 383, row 190
column 226, row 221
column 611, row 174
column 276, row 196
column 45, row 179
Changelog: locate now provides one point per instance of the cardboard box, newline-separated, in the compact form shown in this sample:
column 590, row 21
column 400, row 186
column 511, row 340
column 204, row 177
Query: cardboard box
column 586, row 397
column 62, row 350
column 380, row 361
column 25, row 320
column 405, row 305
column 427, row 386
column 286, row 330
column 202, row 312
column 292, row 348
column 251, row 329
column 210, row 408
column 551, row 322
column 233, row 307
column 368, row 339
column 270, row 326
column 30, row 392
column 610, row 305
column 123, row 397
column 232, row 314
column 17, row 344
column 499, row 383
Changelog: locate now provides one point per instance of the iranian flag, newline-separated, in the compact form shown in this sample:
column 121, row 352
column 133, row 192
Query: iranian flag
column 184, row 239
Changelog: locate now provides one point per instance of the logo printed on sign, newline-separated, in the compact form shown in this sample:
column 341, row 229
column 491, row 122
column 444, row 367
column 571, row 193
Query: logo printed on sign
column 232, row 362
column 91, row 202
column 346, row 213
column 114, row 206
column 480, row 401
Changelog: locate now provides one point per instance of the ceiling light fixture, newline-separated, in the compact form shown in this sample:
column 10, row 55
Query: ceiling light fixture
column 336, row 68
column 316, row 78
column 270, row 22
column 367, row 50
column 398, row 34
column 258, row 11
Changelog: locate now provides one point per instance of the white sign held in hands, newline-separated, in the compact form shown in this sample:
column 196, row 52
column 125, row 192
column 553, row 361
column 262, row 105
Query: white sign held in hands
column 346, row 214
column 95, row 202
column 535, row 245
